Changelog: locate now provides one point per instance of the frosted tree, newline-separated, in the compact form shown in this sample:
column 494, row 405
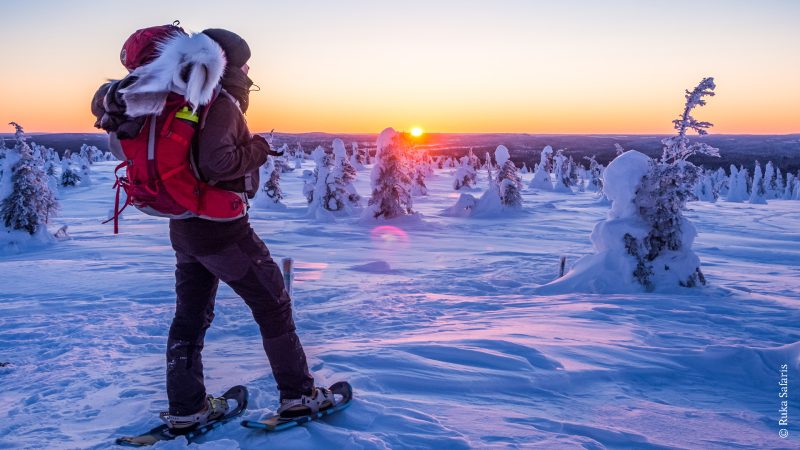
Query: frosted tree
column 737, row 189
column 561, row 172
column 508, row 181
column 667, row 187
column 646, row 241
column 465, row 175
column 474, row 161
column 595, row 174
column 573, row 172
column 69, row 177
column 391, row 196
column 770, row 181
column 85, row 170
column 705, row 190
column 541, row 175
column 758, row 194
column 357, row 157
column 788, row 189
column 309, row 181
column 488, row 166
column 30, row 203
column 779, row 183
column 524, row 168
column 418, row 186
column 273, row 194
column 721, row 182
column 344, row 174
column 325, row 198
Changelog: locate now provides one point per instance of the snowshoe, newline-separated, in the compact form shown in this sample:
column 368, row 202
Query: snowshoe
column 193, row 426
column 292, row 413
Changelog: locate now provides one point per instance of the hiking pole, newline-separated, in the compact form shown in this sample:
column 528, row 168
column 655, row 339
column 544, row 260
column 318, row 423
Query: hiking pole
column 288, row 275
column 562, row 265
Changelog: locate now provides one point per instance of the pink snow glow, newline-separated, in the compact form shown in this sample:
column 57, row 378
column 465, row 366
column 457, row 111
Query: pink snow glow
column 389, row 235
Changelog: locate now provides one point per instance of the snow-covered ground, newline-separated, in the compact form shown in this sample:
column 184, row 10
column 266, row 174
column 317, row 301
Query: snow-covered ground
column 437, row 325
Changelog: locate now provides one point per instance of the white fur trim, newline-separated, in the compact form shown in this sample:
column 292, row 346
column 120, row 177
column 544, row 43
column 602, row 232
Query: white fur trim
column 189, row 65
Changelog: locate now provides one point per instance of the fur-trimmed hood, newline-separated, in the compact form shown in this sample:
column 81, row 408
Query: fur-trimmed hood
column 191, row 65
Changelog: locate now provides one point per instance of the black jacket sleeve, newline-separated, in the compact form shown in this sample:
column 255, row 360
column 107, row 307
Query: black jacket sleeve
column 226, row 151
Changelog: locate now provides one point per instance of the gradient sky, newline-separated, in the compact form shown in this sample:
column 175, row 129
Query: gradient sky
column 448, row 66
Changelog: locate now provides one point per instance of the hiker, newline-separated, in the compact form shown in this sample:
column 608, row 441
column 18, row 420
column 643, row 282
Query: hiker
column 209, row 71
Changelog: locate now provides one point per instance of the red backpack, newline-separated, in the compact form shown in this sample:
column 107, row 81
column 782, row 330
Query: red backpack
column 161, row 178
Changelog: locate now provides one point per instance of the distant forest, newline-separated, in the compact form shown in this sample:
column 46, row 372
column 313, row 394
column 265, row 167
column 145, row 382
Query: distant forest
column 782, row 150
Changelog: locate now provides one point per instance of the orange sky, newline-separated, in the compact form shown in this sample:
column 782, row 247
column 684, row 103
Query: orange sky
column 446, row 66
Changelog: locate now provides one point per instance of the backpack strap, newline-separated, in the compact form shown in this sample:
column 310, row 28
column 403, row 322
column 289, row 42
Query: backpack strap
column 194, row 161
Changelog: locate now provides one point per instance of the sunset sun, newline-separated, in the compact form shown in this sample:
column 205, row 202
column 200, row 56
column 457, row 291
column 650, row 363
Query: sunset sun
column 416, row 131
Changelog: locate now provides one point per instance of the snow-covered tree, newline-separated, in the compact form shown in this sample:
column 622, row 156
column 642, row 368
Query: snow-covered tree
column 779, row 185
column 524, row 168
column 770, row 181
column 788, row 188
column 465, row 175
column 541, row 175
column 357, row 158
column 705, row 190
column 737, row 185
column 309, row 181
column 508, row 181
column 595, row 175
column 271, row 191
column 473, row 159
column 69, row 177
column 324, row 198
column 86, row 175
column 758, row 194
column 391, row 196
column 487, row 165
column 344, row 174
column 561, row 172
column 30, row 203
column 646, row 241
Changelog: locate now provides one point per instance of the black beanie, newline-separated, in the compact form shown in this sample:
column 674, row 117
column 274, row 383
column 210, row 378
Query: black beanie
column 237, row 52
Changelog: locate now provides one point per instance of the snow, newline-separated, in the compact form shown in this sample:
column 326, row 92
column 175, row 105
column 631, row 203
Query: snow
column 441, row 326
column 620, row 180
column 501, row 155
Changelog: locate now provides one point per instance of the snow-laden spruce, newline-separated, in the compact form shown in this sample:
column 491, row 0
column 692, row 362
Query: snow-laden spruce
column 645, row 243
column 758, row 192
column 344, row 174
column 503, row 194
column 333, row 193
column 508, row 180
column 595, row 175
column 391, row 194
column 270, row 194
column 465, row 175
column 561, row 171
column 541, row 175
column 26, row 201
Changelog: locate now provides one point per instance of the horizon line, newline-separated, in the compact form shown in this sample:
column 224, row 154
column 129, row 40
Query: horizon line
column 31, row 133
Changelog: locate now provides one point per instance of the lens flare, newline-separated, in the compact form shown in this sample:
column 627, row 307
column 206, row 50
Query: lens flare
column 389, row 236
column 416, row 131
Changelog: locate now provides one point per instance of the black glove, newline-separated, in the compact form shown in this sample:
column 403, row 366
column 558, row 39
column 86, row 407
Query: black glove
column 270, row 151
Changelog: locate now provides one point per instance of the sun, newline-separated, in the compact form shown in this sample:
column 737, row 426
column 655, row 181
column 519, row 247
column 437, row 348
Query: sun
column 416, row 131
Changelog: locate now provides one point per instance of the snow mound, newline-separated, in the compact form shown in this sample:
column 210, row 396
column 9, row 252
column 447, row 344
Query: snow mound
column 373, row 267
column 501, row 155
column 621, row 179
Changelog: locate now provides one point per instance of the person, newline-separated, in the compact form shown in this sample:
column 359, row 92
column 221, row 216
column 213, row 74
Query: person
column 208, row 251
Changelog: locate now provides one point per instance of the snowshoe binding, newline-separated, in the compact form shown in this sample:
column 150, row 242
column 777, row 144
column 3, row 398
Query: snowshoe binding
column 293, row 412
column 218, row 411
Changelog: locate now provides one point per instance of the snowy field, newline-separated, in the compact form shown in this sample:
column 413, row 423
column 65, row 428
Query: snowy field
column 437, row 325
